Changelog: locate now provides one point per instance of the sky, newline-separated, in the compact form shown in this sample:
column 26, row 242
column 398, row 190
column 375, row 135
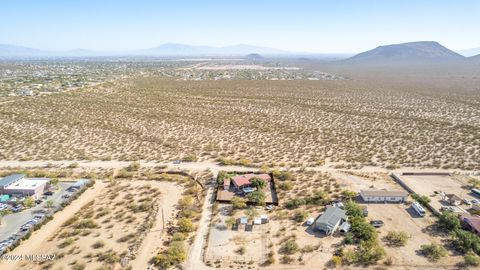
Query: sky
column 318, row 26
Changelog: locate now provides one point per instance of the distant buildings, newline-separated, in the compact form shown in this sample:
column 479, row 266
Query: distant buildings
column 377, row 195
column 26, row 92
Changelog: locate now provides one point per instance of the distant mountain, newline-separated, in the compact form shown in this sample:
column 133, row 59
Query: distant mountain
column 254, row 56
column 16, row 51
column 169, row 49
column 412, row 52
column 470, row 52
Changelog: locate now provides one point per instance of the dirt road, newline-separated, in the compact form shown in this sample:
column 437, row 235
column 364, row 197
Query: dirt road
column 195, row 261
column 41, row 236
column 170, row 194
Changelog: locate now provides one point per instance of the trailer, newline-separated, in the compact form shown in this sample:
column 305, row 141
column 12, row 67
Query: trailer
column 419, row 209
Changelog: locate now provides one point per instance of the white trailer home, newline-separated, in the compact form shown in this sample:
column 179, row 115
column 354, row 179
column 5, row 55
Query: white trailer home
column 385, row 196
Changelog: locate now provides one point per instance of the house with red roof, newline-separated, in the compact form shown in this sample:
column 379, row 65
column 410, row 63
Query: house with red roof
column 244, row 180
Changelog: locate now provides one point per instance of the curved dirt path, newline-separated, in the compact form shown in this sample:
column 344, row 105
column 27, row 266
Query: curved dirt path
column 171, row 192
column 40, row 236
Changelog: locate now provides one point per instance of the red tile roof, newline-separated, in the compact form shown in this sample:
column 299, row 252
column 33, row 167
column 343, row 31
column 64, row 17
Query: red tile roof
column 244, row 179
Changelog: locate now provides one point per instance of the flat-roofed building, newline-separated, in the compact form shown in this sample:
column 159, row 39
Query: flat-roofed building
column 378, row 195
column 17, row 184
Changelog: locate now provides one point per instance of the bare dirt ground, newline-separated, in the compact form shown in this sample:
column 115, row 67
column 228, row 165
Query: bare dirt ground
column 118, row 214
column 427, row 184
column 149, row 247
column 400, row 217
column 279, row 123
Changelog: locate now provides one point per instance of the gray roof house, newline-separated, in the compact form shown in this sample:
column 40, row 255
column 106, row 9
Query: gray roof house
column 330, row 220
column 10, row 179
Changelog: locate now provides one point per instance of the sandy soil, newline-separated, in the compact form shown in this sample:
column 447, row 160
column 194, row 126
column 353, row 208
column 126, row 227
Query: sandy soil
column 149, row 247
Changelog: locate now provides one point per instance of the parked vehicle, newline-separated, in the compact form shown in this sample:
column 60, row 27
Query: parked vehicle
column 48, row 193
column 17, row 208
column 66, row 196
column 419, row 209
column 377, row 223
column 310, row 221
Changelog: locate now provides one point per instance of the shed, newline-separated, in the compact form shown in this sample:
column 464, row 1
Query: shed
column 264, row 219
column 243, row 220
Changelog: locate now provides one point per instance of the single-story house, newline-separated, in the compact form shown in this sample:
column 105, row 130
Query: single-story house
column 330, row 220
column 453, row 199
column 378, row 195
column 471, row 223
column 244, row 180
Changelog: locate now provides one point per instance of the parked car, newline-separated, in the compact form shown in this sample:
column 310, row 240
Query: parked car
column 48, row 193
column 17, row 208
column 467, row 202
column 269, row 207
column 38, row 201
column 310, row 221
column 177, row 162
column 377, row 223
column 474, row 201
column 66, row 196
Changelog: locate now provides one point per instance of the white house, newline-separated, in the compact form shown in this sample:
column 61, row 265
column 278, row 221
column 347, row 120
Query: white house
column 378, row 195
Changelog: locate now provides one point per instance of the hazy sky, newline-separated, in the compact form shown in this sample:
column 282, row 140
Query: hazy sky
column 296, row 25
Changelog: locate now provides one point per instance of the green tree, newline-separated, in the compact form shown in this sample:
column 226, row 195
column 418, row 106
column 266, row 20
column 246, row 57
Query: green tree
column 471, row 260
column 353, row 209
column 258, row 183
column 251, row 212
column 433, row 251
column 422, row 199
column 257, row 197
column 348, row 194
column 300, row 215
column 397, row 239
column 54, row 182
column 475, row 183
column 449, row 221
column 363, row 230
column 465, row 241
column 185, row 225
column 49, row 204
column 239, row 203
column 290, row 247
column 28, row 202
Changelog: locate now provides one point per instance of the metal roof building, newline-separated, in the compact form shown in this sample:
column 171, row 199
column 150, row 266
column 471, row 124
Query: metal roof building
column 10, row 179
column 329, row 221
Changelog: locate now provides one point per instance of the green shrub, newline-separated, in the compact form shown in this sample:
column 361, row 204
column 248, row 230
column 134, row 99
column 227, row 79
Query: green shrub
column 433, row 251
column 185, row 225
column 290, row 247
column 397, row 239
